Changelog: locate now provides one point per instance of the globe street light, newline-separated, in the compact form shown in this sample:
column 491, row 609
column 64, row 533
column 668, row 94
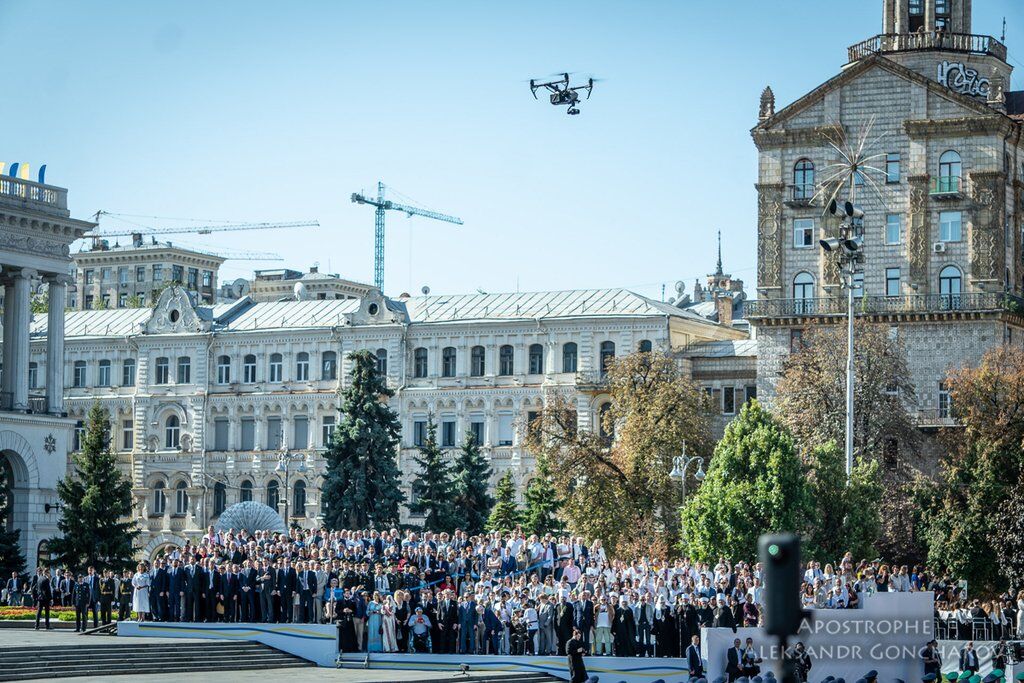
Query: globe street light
column 284, row 461
column 681, row 463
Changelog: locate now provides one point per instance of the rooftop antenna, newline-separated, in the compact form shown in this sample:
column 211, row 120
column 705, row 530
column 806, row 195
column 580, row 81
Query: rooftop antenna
column 1002, row 38
column 719, row 271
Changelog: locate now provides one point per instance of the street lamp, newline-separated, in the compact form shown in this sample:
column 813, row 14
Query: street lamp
column 284, row 460
column 681, row 463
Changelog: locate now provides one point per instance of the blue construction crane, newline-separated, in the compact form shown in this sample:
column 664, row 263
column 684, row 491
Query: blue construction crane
column 383, row 205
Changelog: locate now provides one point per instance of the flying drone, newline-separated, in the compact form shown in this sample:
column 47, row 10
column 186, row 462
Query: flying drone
column 562, row 93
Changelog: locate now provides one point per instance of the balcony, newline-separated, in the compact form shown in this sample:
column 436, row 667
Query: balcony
column 594, row 380
column 917, row 304
column 800, row 195
column 930, row 40
column 947, row 187
column 25, row 194
column 935, row 418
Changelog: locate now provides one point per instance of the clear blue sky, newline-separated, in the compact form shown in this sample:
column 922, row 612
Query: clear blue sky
column 263, row 111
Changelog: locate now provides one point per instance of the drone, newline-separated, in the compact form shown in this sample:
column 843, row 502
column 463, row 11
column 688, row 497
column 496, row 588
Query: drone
column 562, row 93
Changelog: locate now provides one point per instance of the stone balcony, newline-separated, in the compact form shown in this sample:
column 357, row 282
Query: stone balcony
column 928, row 40
column 28, row 195
column 886, row 306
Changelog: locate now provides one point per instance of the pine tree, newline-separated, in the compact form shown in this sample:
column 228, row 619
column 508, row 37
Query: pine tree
column 95, row 522
column 471, row 475
column 11, row 557
column 436, row 492
column 361, row 485
column 505, row 516
column 542, row 504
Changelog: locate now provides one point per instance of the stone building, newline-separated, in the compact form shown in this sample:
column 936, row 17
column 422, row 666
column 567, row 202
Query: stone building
column 942, row 226
column 284, row 283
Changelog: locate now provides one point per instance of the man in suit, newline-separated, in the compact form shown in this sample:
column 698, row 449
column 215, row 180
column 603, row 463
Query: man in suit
column 42, row 593
column 583, row 618
column 932, row 660
column 247, row 596
column 307, row 589
column 211, row 590
column 193, row 590
column 969, row 658
column 467, row 624
column 175, row 590
column 448, row 623
column 734, row 661
column 15, row 588
column 322, row 581
column 159, row 589
column 693, row 661
column 230, row 592
column 108, row 591
column 65, row 586
column 265, row 586
column 286, row 582
column 545, row 626
column 564, row 615
column 93, row 579
column 643, row 617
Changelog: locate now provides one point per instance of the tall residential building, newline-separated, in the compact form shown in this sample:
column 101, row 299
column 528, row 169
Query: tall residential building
column 942, row 226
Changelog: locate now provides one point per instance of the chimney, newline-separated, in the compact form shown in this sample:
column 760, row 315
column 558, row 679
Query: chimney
column 314, row 269
column 723, row 306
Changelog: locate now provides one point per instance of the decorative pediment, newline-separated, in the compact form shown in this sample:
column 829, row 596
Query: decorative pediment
column 175, row 313
column 376, row 309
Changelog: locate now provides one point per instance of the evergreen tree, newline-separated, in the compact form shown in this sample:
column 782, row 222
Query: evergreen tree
column 361, row 485
column 542, row 504
column 471, row 475
column 11, row 557
column 436, row 492
column 505, row 515
column 95, row 523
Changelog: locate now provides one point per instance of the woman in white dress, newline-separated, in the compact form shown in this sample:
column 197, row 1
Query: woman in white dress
column 388, row 623
column 140, row 599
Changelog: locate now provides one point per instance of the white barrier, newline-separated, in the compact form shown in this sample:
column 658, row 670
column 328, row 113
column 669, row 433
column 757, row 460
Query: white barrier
column 314, row 642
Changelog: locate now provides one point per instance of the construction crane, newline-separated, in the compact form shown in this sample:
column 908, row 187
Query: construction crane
column 200, row 229
column 383, row 205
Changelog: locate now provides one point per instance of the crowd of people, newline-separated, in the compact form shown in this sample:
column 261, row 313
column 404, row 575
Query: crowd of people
column 392, row 591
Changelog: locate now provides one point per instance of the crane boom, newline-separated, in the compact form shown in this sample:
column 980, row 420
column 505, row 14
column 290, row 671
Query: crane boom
column 413, row 211
column 207, row 229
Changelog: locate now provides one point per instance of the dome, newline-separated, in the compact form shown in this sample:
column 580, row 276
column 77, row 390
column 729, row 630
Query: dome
column 252, row 517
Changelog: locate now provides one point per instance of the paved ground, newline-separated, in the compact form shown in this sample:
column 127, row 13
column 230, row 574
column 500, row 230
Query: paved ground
column 17, row 637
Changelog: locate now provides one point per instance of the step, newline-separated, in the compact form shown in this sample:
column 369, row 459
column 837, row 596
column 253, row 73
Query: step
column 132, row 671
column 30, row 660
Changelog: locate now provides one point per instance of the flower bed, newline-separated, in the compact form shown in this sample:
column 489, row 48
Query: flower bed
column 16, row 613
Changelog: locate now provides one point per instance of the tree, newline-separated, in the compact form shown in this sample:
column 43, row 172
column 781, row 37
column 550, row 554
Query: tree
column 614, row 483
column 470, row 476
column 505, row 515
column 541, row 513
column 96, row 500
column 756, row 484
column 436, row 492
column 845, row 516
column 361, row 485
column 40, row 303
column 11, row 557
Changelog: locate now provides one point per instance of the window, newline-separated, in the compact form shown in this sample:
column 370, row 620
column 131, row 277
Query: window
column 300, row 432
column 220, row 498
column 448, row 361
column 104, row 274
column 950, row 226
column 950, row 172
column 223, row 369
column 177, row 274
column 803, row 233
column 891, row 454
column 505, row 429
column 916, row 8
column 945, row 401
column 79, row 378
column 382, row 361
column 181, row 499
column 89, row 301
column 274, row 434
column 803, row 293
column 33, row 375
column 477, row 362
column 248, row 434
column 207, row 279
column 302, row 367
column 569, row 357
column 419, row 432
column 79, row 435
column 950, row 283
column 245, row 491
column 419, row 363
column 274, row 369
column 728, row 401
column 184, row 370
column 751, row 392
column 273, row 494
column 803, row 180
column 327, row 427
column 163, row 371
column 127, row 434
column 536, row 359
column 193, row 278
column 892, row 167
column 159, row 499
column 158, row 273
column 858, row 284
column 448, row 434
column 299, row 499
column 172, row 432
column 122, row 300
column 892, row 281
column 221, row 428
column 607, row 355
column 89, row 275
column 249, row 369
column 796, row 340
column 506, row 362
column 476, row 428
column 645, row 346
column 605, row 431
column 893, row 228
column 329, row 365
column 140, row 273
column 122, row 275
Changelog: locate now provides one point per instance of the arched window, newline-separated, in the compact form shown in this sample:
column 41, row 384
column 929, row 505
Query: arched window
column 506, row 360
column 329, row 365
column 607, row 355
column 223, row 369
column 569, row 357
column 245, row 491
column 382, row 361
column 184, row 370
column 249, row 369
column 950, row 172
column 803, row 292
column 605, row 430
column 273, row 494
column 536, row 359
column 220, row 498
column 950, row 287
column 302, row 367
column 448, row 361
column 645, row 346
column 477, row 364
column 172, row 432
column 275, row 368
column 803, row 180
column 299, row 499
column 159, row 499
column 181, row 498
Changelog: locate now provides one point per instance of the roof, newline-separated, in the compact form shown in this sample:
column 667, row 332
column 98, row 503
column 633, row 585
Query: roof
column 114, row 322
column 146, row 247
column 722, row 349
column 268, row 315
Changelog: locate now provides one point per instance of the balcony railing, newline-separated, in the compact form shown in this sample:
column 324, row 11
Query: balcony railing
column 928, row 40
column 591, row 378
column 935, row 418
column 947, row 187
column 918, row 303
column 36, row 195
column 800, row 195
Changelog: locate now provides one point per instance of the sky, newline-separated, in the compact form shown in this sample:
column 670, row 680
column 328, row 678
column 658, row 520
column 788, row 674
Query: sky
column 278, row 111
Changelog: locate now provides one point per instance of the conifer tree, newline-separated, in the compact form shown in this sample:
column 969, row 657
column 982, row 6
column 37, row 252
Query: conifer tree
column 436, row 492
column 11, row 557
column 471, row 474
column 95, row 523
column 361, row 485
column 505, row 515
column 542, row 504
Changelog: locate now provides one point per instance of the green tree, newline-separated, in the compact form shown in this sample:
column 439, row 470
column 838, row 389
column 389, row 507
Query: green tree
column 541, row 513
column 40, row 303
column 505, row 516
column 845, row 516
column 756, row 484
column 470, row 477
column 11, row 557
column 95, row 521
column 436, row 492
column 361, row 485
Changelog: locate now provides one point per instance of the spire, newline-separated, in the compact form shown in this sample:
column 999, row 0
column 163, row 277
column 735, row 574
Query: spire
column 719, row 271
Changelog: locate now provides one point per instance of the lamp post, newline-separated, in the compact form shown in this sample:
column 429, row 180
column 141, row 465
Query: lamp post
column 681, row 463
column 284, row 460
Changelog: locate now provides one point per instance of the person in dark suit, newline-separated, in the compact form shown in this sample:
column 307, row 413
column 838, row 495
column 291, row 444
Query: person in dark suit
column 212, row 583
column 286, row 583
column 564, row 615
column 42, row 593
column 493, row 630
column 307, row 589
column 932, row 661
column 734, row 661
column 191, row 591
column 448, row 623
column 199, row 582
column 693, row 661
column 93, row 579
column 82, row 596
column 108, row 591
column 576, row 649
column 229, row 593
column 247, row 594
column 124, row 596
column 583, row 618
column 265, row 586
column 15, row 587
column 467, row 625
column 177, row 587
column 159, row 589
column 969, row 658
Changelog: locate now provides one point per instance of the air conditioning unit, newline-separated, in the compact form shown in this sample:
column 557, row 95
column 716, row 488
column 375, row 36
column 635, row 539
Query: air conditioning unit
column 939, row 248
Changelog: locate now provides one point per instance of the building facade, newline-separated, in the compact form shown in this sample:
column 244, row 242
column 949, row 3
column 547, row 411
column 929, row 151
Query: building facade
column 284, row 283
column 942, row 199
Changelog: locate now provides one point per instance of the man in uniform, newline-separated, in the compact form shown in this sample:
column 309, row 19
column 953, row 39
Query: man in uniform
column 124, row 596
column 108, row 590
column 82, row 597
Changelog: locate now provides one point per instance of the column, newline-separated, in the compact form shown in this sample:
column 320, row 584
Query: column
column 7, row 387
column 19, row 340
column 929, row 15
column 57, row 288
column 889, row 17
